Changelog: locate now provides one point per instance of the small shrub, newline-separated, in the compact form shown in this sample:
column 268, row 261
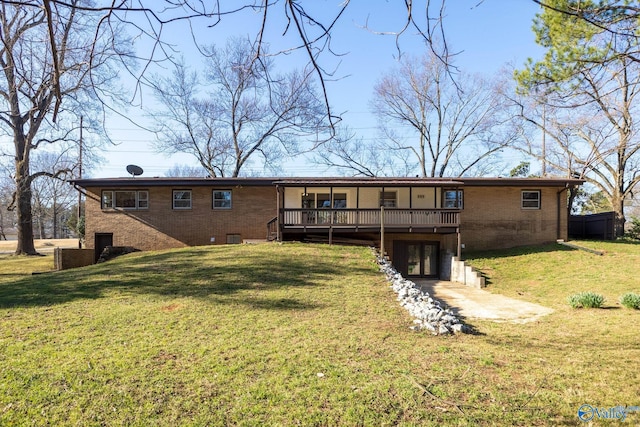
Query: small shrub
column 634, row 230
column 630, row 300
column 586, row 300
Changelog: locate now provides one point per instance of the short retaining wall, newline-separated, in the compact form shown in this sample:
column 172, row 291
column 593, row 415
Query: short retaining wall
column 65, row 258
column 465, row 274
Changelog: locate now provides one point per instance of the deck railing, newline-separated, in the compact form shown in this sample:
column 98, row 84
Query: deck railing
column 272, row 229
column 370, row 217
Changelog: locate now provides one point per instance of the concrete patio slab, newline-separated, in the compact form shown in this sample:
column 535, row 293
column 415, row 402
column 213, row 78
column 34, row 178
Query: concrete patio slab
column 473, row 303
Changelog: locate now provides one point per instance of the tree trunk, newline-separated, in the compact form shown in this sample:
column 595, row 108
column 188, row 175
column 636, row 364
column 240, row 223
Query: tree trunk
column 25, row 222
column 25, row 218
column 617, row 201
column 618, row 225
column 573, row 193
column 55, row 219
column 2, row 235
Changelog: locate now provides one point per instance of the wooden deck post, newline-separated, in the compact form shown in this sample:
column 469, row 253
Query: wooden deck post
column 382, row 231
column 278, row 214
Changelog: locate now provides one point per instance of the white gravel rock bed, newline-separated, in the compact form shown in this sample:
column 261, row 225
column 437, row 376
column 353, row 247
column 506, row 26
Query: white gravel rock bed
column 429, row 314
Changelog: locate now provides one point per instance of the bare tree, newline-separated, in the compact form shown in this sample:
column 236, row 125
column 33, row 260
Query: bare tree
column 53, row 196
column 550, row 135
column 352, row 156
column 309, row 25
column 248, row 111
column 56, row 45
column 448, row 127
column 178, row 171
column 45, row 86
column 590, row 82
column 576, row 138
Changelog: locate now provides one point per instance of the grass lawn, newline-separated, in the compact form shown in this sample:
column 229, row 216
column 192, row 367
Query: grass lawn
column 309, row 335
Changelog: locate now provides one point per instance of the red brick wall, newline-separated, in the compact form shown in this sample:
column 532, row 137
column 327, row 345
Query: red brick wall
column 492, row 218
column 160, row 226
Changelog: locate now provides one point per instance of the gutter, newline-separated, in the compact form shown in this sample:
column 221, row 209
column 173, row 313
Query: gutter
column 558, row 215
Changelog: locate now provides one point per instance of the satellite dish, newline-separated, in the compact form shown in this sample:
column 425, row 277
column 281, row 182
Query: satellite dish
column 134, row 170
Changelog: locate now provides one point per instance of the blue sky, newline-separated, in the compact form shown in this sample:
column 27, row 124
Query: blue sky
column 488, row 34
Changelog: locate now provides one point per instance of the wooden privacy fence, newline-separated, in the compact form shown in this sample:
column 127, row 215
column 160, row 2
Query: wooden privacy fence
column 595, row 226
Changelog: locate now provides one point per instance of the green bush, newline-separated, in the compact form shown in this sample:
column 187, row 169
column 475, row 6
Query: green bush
column 586, row 300
column 630, row 300
column 634, row 231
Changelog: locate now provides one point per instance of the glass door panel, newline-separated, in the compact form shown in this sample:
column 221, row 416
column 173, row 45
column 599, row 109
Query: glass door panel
column 308, row 202
column 430, row 259
column 414, row 259
column 422, row 259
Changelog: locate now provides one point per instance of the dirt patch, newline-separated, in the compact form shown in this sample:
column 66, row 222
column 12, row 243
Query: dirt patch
column 472, row 303
column 171, row 307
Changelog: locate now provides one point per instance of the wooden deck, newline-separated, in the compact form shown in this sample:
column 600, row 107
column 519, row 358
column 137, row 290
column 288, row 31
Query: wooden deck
column 368, row 219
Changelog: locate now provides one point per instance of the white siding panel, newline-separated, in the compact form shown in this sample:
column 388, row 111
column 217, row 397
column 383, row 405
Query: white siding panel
column 424, row 198
column 369, row 197
column 293, row 197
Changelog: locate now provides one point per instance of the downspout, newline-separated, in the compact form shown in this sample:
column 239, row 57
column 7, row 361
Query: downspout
column 79, row 212
column 381, row 203
column 459, row 237
column 357, row 207
column 331, row 215
column 278, row 213
column 558, row 213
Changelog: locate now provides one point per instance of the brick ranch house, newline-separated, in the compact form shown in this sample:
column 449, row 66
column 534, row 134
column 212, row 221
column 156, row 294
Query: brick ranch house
column 421, row 223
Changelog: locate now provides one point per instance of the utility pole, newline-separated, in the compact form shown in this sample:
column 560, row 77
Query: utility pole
column 544, row 139
column 79, row 192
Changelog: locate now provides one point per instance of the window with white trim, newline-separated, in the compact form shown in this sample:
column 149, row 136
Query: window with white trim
column 452, row 199
column 181, row 199
column 222, row 199
column 125, row 199
column 143, row 199
column 530, row 199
